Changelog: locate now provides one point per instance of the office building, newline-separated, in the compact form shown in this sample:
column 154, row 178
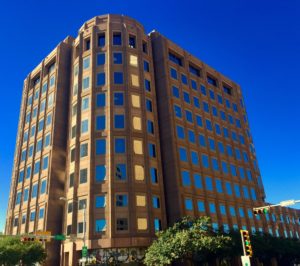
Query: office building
column 122, row 133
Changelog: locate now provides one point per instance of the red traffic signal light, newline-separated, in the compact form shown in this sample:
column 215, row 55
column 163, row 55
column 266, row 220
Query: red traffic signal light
column 27, row 239
column 246, row 243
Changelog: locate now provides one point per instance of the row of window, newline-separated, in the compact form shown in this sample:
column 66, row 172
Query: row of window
column 217, row 185
column 117, row 40
column 32, row 217
column 120, row 174
column 34, row 192
column 40, row 143
column 193, row 70
column 48, row 70
column 198, row 119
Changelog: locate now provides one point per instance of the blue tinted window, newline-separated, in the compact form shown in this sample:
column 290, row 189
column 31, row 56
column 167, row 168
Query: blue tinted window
column 189, row 116
column 234, row 107
column 208, row 125
column 208, row 183
column 223, row 115
column 150, row 127
column 100, row 59
column 191, row 136
column 230, row 118
column 100, row 225
column 186, row 97
column 148, row 105
column 196, row 102
column 117, row 39
column 246, row 192
column 100, row 172
column 219, row 186
column 100, row 202
column 100, row 79
column 205, row 162
column 249, row 175
column 228, row 188
column 45, row 162
column 232, row 211
column 245, row 156
column 237, row 154
column 199, row 121
column 224, row 167
column 118, row 59
column 18, row 198
column 180, row 132
column 197, row 181
column 212, row 207
column 26, row 193
column 241, row 211
column 155, row 202
column 86, row 62
column 157, row 225
column 225, row 132
column 194, row 158
column 250, row 214
column 238, row 123
column 188, row 204
column 220, row 99
column 242, row 172
column 121, row 173
column 206, row 107
column 118, row 77
column 214, row 111
column 242, row 139
column 152, row 150
column 175, row 91
column 201, row 206
column 211, row 94
column 237, row 190
column 100, row 122
column 173, row 73
column 34, row 191
column 221, row 147
column 36, row 167
column 120, row 145
column 183, row 79
column 227, row 102
column 146, row 66
column 183, row 154
column 186, row 181
column 212, row 146
column 84, row 126
column 193, row 84
column 202, row 141
column 234, row 136
column 119, row 121
column 21, row 176
column 233, row 170
column 101, row 40
column 253, row 194
column 203, row 89
column 177, row 111
column 229, row 150
column 100, row 101
column 119, row 98
column 147, row 85
column 121, row 200
column 218, row 129
column 222, row 209
column 153, row 174
column 215, row 164
column 100, row 146
column 28, row 172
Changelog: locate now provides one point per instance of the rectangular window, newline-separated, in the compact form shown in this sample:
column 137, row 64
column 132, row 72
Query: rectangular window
column 205, row 161
column 118, row 78
column 83, row 176
column 152, row 150
column 100, row 122
column 209, row 184
column 41, row 213
column 100, row 59
column 186, row 180
column 149, row 105
column 150, row 127
column 198, row 181
column 212, row 81
column 100, row 100
column 119, row 121
column 153, row 175
column 183, row 154
column 83, row 150
column 36, row 167
column 188, row 204
column 121, row 200
column 100, row 202
column 146, row 66
column 121, row 173
column 85, row 83
column 43, row 186
column 101, row 79
column 45, row 163
column 86, row 62
column 100, row 173
column 34, row 191
column 118, row 58
column 175, row 59
column 117, row 39
column 120, row 145
column 189, row 116
column 132, row 41
column 147, row 85
column 122, row 224
column 100, row 147
column 84, row 126
column 101, row 40
column 195, row 71
column 100, row 225
column 119, row 98
column 173, row 73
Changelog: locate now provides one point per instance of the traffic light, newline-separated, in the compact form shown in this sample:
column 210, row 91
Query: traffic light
column 27, row 238
column 246, row 243
column 263, row 210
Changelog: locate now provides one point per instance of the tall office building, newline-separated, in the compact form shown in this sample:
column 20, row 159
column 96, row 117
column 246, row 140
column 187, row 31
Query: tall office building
column 122, row 133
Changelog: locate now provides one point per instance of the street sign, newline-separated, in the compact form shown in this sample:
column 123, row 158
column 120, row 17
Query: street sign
column 84, row 251
column 43, row 236
column 245, row 261
column 60, row 237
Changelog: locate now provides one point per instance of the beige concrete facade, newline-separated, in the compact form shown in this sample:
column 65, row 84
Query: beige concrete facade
column 119, row 131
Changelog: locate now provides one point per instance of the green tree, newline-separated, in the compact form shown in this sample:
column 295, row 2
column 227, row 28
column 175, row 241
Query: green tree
column 14, row 252
column 189, row 239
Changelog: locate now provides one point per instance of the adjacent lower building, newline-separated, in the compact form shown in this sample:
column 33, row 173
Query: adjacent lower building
column 120, row 135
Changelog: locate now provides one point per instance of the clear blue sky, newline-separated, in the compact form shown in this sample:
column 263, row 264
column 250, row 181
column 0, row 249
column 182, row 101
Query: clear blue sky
column 256, row 43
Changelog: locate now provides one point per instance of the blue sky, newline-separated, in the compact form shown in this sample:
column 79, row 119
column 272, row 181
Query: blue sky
column 256, row 43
